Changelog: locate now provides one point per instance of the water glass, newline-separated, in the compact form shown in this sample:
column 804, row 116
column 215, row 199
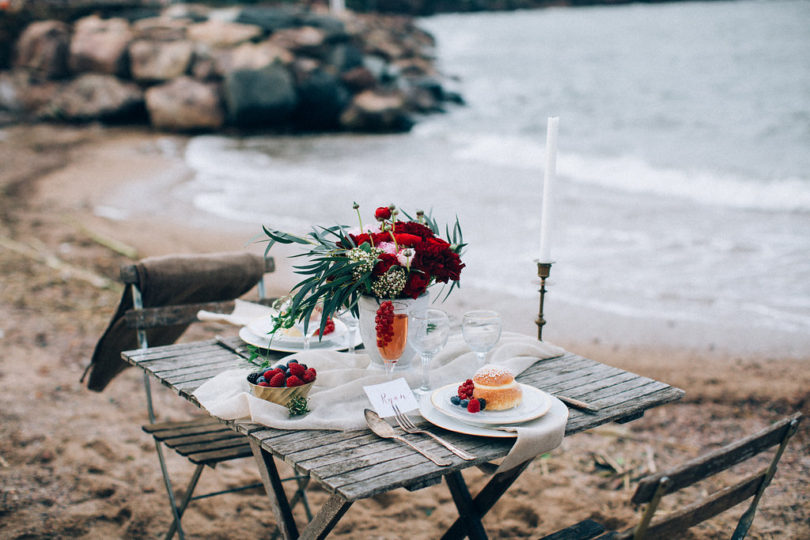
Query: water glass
column 427, row 333
column 481, row 330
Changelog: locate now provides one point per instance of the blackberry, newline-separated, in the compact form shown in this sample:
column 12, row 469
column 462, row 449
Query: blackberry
column 455, row 400
column 253, row 378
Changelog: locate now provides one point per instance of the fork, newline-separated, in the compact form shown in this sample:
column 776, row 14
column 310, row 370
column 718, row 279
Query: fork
column 408, row 426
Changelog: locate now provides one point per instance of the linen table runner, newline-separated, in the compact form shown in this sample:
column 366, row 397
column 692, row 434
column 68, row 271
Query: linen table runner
column 337, row 398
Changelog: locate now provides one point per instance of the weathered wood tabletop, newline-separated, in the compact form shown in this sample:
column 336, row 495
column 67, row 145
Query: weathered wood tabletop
column 353, row 465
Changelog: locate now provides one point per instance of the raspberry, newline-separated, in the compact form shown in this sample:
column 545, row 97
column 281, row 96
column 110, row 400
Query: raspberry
column 309, row 376
column 277, row 381
column 297, row 369
column 312, row 369
column 270, row 372
column 473, row 406
column 263, row 383
column 328, row 329
column 292, row 380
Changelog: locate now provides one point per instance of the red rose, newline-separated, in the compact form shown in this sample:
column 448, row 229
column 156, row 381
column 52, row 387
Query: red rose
column 385, row 261
column 382, row 213
column 416, row 285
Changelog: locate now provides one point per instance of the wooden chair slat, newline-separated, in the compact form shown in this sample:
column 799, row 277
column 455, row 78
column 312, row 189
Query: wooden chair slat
column 218, row 456
column 161, row 426
column 230, row 442
column 202, row 438
column 706, row 508
column 579, row 531
column 714, row 462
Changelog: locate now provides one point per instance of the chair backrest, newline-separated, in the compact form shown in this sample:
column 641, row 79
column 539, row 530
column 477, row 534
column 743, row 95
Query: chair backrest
column 162, row 296
column 161, row 290
column 652, row 488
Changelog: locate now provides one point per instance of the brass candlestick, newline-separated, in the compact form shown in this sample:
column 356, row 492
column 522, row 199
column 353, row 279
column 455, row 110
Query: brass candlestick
column 543, row 271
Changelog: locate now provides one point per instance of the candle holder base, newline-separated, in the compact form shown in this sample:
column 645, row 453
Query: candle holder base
column 543, row 271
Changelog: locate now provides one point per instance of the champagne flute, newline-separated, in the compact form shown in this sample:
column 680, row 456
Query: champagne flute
column 481, row 330
column 427, row 333
column 392, row 332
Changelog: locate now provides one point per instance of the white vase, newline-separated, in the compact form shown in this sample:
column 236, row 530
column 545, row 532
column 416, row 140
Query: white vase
column 368, row 305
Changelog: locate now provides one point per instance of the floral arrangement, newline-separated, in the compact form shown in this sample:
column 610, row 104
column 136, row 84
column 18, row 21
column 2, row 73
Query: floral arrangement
column 389, row 259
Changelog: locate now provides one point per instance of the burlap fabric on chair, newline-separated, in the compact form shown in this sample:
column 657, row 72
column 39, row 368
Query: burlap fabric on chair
column 171, row 280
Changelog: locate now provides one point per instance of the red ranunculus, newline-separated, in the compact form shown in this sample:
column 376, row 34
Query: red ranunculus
column 412, row 227
column 404, row 239
column 416, row 285
column 382, row 213
column 359, row 239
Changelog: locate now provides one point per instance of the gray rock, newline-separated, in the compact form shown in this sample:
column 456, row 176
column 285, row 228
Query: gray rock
column 271, row 19
column 43, row 48
column 223, row 34
column 306, row 40
column 185, row 105
column 97, row 97
column 22, row 92
column 251, row 56
column 344, row 57
column 258, row 98
column 321, row 99
column 377, row 111
column 158, row 60
column 100, row 45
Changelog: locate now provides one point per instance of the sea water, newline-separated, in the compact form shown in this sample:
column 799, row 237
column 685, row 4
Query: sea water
column 683, row 187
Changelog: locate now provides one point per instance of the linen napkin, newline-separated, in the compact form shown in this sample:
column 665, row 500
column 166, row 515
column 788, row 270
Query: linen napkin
column 243, row 313
column 337, row 398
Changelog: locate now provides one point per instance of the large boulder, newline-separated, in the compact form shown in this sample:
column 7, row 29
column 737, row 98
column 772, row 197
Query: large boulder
column 43, row 48
column 321, row 99
column 218, row 33
column 252, row 56
column 185, row 104
column 306, row 40
column 160, row 29
column 377, row 111
column 270, row 19
column 258, row 98
column 154, row 61
column 95, row 96
column 22, row 92
column 100, row 45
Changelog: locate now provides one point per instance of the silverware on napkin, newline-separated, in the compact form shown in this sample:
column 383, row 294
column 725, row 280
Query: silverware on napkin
column 384, row 430
column 408, row 426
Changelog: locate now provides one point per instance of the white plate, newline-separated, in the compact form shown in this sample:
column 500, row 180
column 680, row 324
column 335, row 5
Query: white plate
column 535, row 404
column 263, row 325
column 263, row 342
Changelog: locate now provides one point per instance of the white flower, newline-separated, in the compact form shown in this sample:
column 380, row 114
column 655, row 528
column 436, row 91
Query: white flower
column 388, row 247
column 405, row 257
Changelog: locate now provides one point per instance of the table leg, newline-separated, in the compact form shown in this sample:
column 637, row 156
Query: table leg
column 326, row 518
column 467, row 511
column 275, row 491
column 485, row 499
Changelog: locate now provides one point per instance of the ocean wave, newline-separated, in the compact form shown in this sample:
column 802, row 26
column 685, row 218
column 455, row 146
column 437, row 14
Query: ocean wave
column 632, row 174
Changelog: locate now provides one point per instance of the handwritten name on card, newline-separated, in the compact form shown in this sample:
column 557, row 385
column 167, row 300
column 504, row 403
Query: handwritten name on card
column 382, row 396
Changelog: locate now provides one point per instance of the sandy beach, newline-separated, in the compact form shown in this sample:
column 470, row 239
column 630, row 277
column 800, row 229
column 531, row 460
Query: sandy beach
column 78, row 202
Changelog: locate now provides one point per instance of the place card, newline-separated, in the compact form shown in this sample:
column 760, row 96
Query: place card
column 382, row 396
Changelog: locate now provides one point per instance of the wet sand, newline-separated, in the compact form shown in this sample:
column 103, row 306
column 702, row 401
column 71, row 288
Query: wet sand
column 75, row 462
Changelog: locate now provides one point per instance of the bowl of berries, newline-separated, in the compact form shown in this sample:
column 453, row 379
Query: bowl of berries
column 282, row 382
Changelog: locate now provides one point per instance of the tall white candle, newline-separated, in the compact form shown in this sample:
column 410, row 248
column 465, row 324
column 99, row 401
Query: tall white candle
column 548, row 183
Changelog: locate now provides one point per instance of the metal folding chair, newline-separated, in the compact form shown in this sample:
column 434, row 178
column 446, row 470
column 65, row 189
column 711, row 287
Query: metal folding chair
column 204, row 441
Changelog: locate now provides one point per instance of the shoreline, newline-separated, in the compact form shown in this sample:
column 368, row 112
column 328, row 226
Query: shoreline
column 149, row 165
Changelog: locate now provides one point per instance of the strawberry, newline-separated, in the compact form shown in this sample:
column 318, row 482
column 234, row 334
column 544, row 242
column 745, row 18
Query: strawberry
column 473, row 406
column 296, row 369
column 293, row 380
column 278, row 380
column 309, row 376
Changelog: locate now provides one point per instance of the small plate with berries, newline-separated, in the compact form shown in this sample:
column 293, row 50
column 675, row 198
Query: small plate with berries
column 457, row 400
column 282, row 382
column 336, row 337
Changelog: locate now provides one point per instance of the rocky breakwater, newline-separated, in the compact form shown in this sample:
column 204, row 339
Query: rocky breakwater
column 193, row 68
